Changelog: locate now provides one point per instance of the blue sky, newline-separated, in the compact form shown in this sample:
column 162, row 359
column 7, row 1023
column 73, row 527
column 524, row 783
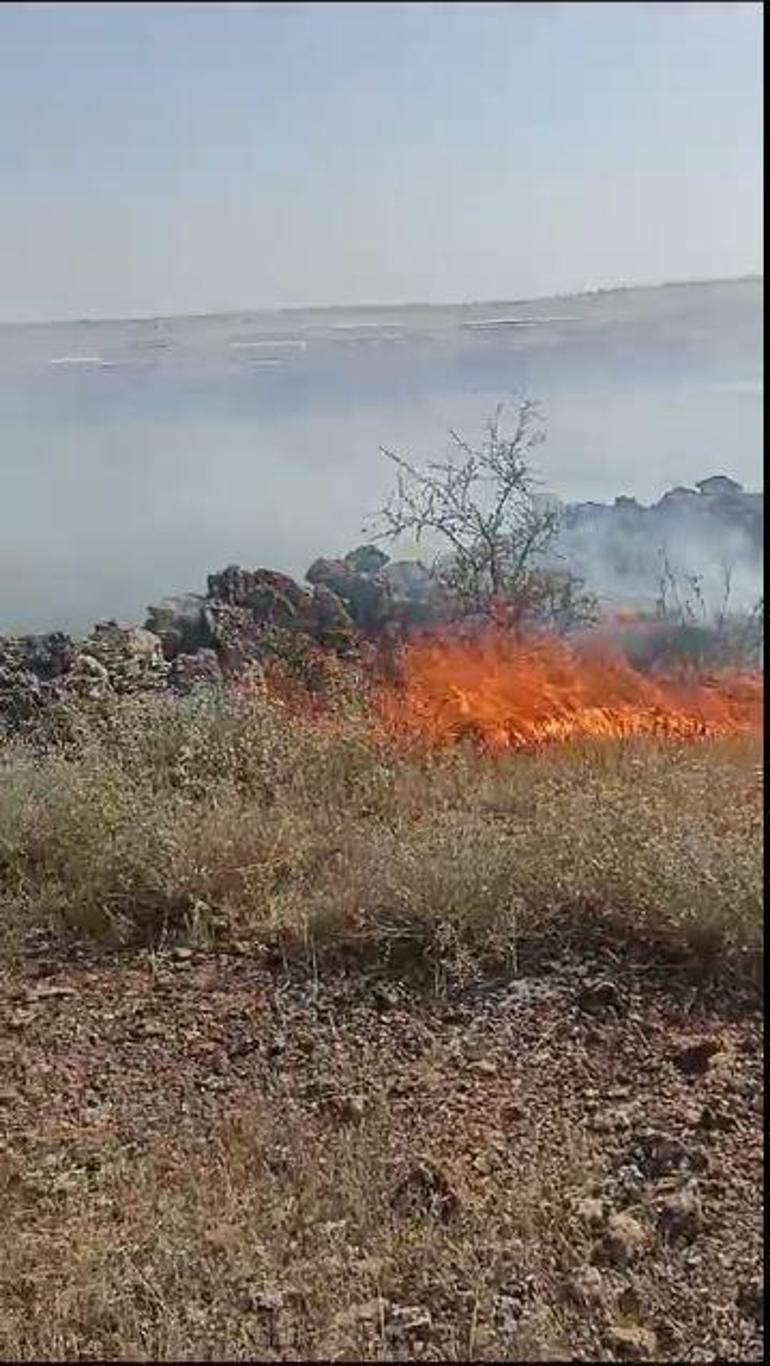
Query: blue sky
column 204, row 157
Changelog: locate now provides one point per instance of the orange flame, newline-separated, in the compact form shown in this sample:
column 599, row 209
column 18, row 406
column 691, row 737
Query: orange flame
column 509, row 695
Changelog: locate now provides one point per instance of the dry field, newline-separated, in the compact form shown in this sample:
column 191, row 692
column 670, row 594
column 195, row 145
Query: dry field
column 314, row 1046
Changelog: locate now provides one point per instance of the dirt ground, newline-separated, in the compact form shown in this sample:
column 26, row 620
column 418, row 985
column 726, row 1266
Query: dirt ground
column 211, row 1156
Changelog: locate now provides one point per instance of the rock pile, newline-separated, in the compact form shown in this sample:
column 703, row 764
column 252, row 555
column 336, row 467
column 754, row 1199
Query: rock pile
column 246, row 620
column 37, row 671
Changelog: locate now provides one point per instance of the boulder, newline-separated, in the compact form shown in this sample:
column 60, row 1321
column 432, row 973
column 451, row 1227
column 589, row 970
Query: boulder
column 367, row 559
column 329, row 620
column 230, row 585
column 273, row 599
column 181, row 624
column 329, row 571
column 366, row 597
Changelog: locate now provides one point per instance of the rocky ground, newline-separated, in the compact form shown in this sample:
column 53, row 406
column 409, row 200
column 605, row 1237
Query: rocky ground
column 210, row 1155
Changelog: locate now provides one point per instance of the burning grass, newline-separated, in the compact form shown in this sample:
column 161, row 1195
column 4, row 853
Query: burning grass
column 513, row 695
column 239, row 817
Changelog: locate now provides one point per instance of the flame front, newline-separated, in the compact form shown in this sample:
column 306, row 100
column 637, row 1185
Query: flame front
column 506, row 694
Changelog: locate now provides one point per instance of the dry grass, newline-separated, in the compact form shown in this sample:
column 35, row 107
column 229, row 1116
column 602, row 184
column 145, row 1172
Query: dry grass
column 284, row 1237
column 212, row 818
column 188, row 1171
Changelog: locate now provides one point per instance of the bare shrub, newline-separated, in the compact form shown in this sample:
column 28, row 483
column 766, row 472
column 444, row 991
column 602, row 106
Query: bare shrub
column 483, row 507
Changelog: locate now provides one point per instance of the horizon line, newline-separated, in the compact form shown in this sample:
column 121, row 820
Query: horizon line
column 753, row 276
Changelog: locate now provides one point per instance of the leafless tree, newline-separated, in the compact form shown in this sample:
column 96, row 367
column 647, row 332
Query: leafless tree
column 499, row 536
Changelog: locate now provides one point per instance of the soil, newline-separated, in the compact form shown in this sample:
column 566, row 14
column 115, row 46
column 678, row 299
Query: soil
column 624, row 1124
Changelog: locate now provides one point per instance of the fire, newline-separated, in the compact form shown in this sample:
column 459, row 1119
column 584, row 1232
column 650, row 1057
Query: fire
column 509, row 695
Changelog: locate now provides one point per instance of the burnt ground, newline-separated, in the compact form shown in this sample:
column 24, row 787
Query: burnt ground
column 205, row 1155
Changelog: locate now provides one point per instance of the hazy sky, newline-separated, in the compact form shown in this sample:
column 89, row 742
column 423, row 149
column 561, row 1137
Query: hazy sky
column 203, row 157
